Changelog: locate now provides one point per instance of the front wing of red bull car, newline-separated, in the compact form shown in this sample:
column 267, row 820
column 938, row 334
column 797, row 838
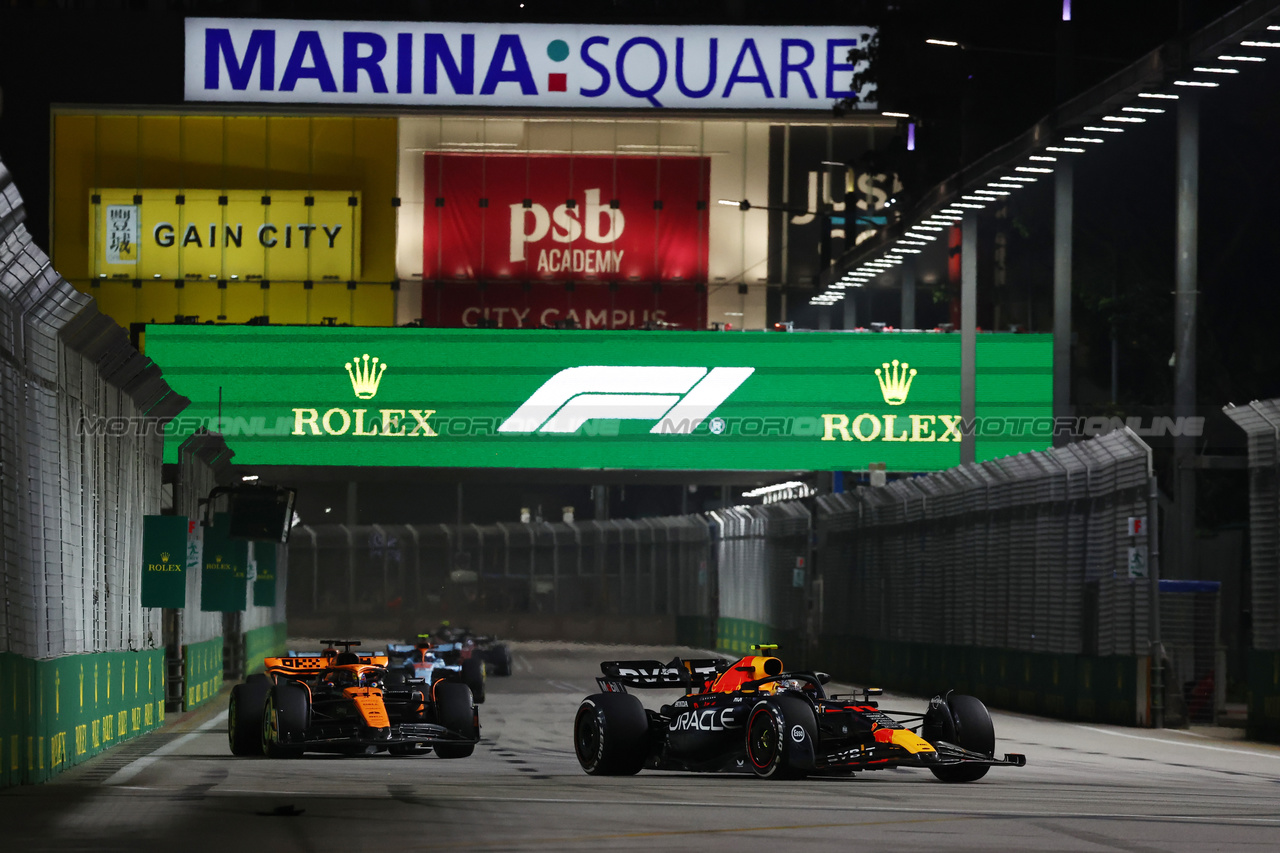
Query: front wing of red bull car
column 751, row 715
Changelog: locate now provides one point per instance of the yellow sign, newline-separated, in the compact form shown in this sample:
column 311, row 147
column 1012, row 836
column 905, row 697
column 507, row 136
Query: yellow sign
column 226, row 235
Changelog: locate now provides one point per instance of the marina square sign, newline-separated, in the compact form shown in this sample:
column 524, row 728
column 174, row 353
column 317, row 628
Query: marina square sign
column 432, row 63
column 458, row 398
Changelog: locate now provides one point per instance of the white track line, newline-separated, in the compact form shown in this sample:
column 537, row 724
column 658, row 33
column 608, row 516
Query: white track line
column 764, row 805
column 561, row 685
column 1180, row 743
column 133, row 768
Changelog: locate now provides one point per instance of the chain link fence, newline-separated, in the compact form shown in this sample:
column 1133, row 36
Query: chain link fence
column 1260, row 421
column 71, row 502
column 1028, row 552
column 626, row 568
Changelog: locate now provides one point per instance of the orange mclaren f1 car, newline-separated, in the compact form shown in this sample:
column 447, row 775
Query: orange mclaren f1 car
column 349, row 703
column 752, row 716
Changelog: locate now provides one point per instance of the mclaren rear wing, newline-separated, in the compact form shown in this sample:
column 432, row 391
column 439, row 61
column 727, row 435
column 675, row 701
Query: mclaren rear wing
column 619, row 674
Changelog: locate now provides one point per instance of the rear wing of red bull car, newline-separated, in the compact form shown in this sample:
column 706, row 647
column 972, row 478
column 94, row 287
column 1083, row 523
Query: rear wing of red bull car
column 621, row 674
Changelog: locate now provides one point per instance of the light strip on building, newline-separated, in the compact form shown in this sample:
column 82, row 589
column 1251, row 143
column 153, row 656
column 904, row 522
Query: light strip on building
column 1155, row 110
column 1124, row 119
column 1104, row 129
column 1061, row 150
column 1033, row 169
column 1199, row 84
column 1043, row 159
column 1205, row 69
column 1163, row 96
column 1081, row 139
column 1242, row 59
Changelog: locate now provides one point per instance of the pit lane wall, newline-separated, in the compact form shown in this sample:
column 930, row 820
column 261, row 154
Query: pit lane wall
column 81, row 663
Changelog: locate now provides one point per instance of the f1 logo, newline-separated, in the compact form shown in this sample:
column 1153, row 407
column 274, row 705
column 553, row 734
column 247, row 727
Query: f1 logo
column 679, row 398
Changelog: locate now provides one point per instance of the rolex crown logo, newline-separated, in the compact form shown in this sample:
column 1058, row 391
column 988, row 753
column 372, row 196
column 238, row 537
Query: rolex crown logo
column 895, row 381
column 365, row 376
column 164, row 556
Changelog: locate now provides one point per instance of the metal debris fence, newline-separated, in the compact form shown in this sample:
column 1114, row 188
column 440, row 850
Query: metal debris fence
column 641, row 567
column 1028, row 552
column 1261, row 422
column 71, row 505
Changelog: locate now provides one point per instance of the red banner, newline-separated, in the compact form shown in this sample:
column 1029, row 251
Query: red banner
column 555, row 218
column 513, row 305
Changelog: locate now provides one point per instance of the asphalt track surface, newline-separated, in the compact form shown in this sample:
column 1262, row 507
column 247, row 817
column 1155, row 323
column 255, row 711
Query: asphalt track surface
column 1085, row 788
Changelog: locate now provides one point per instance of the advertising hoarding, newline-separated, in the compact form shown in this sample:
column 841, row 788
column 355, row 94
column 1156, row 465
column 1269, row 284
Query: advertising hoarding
column 565, row 218
column 524, row 65
column 286, row 235
column 586, row 400
column 522, row 305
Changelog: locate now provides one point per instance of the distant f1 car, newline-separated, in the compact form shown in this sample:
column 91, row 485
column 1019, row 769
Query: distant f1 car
column 433, row 661
column 345, row 702
column 497, row 656
column 752, row 716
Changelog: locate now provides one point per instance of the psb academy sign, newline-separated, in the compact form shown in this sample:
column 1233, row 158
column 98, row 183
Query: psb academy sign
column 524, row 65
column 246, row 235
column 644, row 400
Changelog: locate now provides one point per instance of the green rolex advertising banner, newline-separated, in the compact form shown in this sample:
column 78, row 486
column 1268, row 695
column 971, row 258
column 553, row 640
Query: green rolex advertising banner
column 224, row 580
column 264, row 580
column 294, row 395
column 164, row 552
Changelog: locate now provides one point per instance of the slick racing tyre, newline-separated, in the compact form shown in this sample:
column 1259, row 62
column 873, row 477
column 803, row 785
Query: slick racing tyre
column 611, row 734
column 473, row 677
column 780, row 731
column 499, row 657
column 285, row 720
column 972, row 729
column 244, row 715
column 457, row 713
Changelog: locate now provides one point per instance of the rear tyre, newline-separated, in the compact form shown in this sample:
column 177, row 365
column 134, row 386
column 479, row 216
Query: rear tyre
column 244, row 715
column 500, row 657
column 457, row 713
column 284, row 720
column 973, row 731
column 473, row 677
column 611, row 734
column 770, row 726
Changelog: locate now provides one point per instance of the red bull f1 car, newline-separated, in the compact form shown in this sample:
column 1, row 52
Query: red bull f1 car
column 753, row 716
column 348, row 703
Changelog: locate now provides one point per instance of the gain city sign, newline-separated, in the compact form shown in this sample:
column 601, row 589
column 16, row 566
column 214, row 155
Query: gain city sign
column 525, row 65
column 293, row 395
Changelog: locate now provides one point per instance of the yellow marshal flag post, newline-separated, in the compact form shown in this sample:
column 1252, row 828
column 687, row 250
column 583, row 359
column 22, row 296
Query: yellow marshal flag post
column 244, row 235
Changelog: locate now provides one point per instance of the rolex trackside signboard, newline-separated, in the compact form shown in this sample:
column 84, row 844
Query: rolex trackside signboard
column 431, row 63
column 296, row 395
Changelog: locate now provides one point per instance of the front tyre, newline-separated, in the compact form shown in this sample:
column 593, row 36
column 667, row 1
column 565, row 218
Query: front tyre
column 611, row 734
column 285, row 720
column 244, row 715
column 457, row 713
column 473, row 676
column 500, row 657
column 974, row 731
column 776, row 730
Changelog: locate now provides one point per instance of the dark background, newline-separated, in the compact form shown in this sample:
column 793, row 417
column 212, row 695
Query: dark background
column 967, row 103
